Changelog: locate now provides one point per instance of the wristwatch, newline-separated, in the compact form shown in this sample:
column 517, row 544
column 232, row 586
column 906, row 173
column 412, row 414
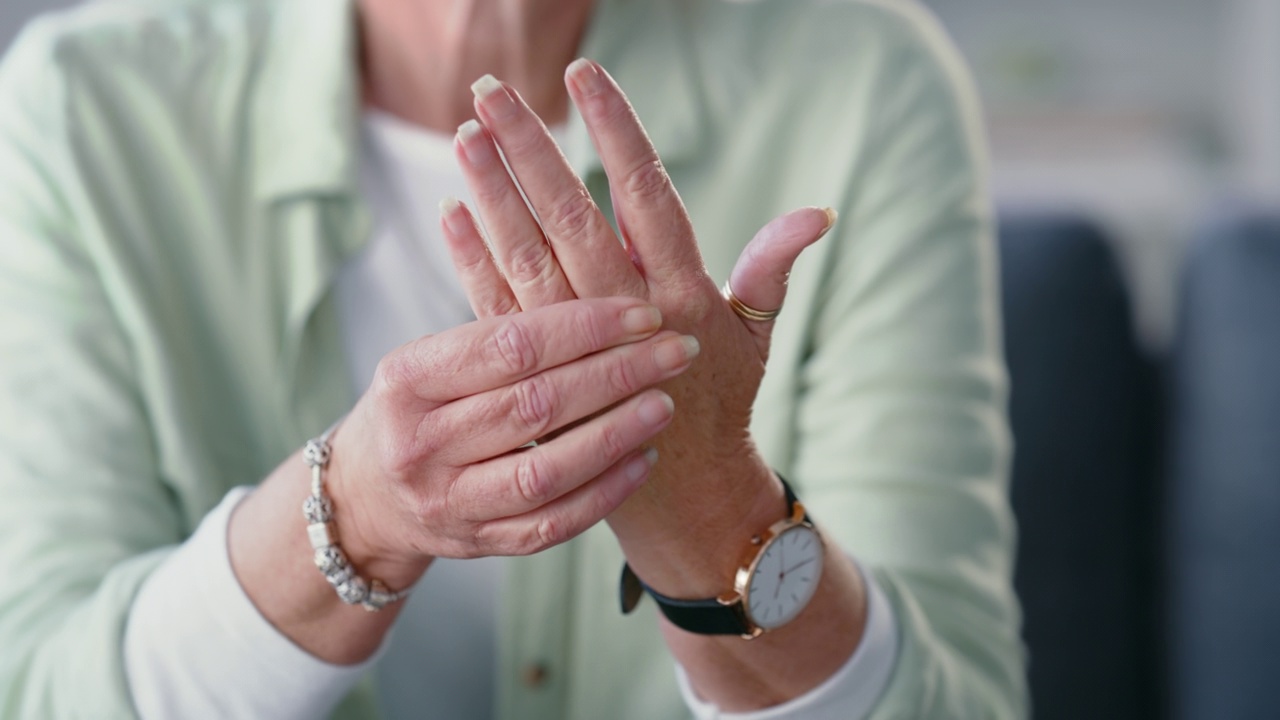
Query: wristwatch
column 769, row 590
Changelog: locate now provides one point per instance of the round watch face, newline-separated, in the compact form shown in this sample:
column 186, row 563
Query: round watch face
column 785, row 577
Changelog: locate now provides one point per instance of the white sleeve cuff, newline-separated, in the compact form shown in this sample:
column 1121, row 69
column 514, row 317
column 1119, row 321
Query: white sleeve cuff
column 852, row 692
column 196, row 646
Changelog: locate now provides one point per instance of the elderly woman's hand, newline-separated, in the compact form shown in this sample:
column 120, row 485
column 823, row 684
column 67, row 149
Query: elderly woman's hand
column 569, row 250
column 429, row 463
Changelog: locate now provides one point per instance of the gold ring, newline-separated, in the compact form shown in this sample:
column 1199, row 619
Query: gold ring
column 745, row 311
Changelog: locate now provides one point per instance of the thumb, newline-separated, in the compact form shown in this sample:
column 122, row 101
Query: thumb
column 759, row 279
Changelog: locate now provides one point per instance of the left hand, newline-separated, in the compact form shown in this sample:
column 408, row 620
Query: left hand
column 570, row 251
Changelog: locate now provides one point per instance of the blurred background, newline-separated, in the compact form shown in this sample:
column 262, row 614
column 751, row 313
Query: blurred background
column 1136, row 167
column 1145, row 114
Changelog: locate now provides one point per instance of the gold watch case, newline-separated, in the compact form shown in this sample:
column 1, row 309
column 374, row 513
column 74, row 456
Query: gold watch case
column 740, row 595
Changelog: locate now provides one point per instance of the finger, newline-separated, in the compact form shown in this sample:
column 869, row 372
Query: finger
column 759, row 278
column 588, row 250
column 571, row 515
column 646, row 203
column 486, row 288
column 518, row 245
column 490, row 424
column 495, row 352
column 583, row 453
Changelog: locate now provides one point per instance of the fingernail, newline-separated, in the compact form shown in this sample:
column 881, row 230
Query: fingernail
column 641, row 320
column 640, row 466
column 468, row 130
column 486, row 85
column 832, row 216
column 493, row 96
column 473, row 145
column 586, row 76
column 449, row 213
column 675, row 353
column 656, row 409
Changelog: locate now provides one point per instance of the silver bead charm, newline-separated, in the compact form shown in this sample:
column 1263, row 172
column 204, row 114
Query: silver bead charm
column 316, row 453
column 353, row 591
column 317, row 508
column 330, row 559
column 340, row 575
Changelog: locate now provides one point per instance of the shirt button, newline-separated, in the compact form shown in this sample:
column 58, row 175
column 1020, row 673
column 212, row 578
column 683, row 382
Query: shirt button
column 534, row 675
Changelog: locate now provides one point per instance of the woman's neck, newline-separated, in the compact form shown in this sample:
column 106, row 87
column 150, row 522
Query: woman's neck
column 419, row 57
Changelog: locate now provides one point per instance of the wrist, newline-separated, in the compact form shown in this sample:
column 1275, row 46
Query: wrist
column 690, row 543
column 350, row 544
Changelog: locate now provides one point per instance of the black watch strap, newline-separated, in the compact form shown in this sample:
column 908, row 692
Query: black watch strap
column 704, row 617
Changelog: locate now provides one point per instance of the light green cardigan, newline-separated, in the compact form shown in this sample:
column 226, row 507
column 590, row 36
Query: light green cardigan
column 177, row 190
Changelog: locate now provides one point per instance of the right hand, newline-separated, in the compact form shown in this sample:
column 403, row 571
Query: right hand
column 430, row 461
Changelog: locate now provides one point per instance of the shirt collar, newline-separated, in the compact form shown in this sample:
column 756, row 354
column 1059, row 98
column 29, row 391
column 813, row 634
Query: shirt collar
column 306, row 104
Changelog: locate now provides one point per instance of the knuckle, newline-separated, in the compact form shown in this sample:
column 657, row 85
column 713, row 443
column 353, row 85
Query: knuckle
column 399, row 454
column 483, row 542
column 533, row 403
column 622, row 377
column 550, row 531
column 613, row 443
column 533, row 480
column 586, row 325
column 427, row 436
column 474, row 262
column 492, row 190
column 575, row 217
column 608, row 497
column 523, row 140
column 514, row 347
column 648, row 181
column 531, row 264
column 496, row 303
column 424, row 509
column 391, row 377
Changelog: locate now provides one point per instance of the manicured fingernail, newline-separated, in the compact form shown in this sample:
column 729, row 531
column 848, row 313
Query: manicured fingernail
column 640, row 466
column 473, row 145
column 493, row 96
column 640, row 320
column 468, row 130
column 586, row 76
column 486, row 85
column 450, row 213
column 675, row 353
column 656, row 409
column 832, row 216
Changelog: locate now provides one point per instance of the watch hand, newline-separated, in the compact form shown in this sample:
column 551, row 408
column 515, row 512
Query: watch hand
column 799, row 564
column 782, row 563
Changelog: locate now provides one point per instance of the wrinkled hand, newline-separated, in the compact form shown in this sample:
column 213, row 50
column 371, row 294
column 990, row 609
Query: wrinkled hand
column 429, row 463
column 570, row 251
